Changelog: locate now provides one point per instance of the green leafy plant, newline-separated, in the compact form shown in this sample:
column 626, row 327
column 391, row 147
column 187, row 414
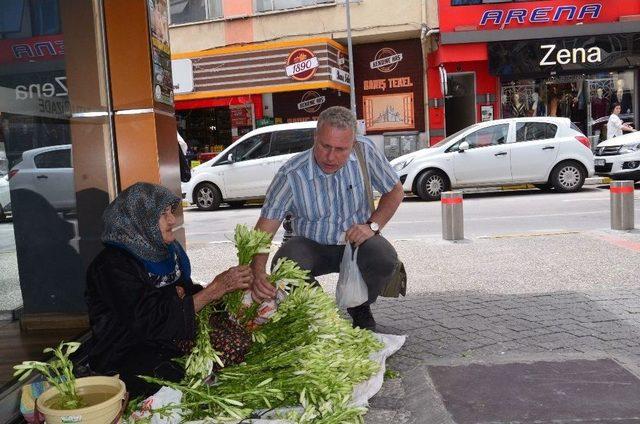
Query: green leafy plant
column 58, row 372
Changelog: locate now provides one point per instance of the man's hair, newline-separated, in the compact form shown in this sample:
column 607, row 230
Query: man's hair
column 337, row 117
column 613, row 106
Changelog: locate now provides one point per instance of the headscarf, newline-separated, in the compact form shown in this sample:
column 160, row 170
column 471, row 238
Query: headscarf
column 131, row 223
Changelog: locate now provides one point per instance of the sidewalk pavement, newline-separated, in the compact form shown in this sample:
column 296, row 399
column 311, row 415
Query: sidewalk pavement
column 533, row 327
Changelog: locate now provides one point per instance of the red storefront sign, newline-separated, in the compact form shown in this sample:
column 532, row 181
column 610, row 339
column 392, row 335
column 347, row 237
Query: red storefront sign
column 34, row 49
column 302, row 64
column 515, row 15
column 256, row 99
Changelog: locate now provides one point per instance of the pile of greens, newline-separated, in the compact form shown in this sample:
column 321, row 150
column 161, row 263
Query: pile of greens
column 306, row 354
column 311, row 356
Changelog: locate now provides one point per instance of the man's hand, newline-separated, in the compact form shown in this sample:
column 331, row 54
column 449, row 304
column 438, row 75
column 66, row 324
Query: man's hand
column 262, row 289
column 359, row 233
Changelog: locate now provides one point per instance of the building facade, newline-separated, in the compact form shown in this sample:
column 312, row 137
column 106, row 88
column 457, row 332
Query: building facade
column 242, row 64
column 529, row 58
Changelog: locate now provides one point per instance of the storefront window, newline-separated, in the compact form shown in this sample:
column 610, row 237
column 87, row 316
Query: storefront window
column 55, row 172
column 186, row 11
column 585, row 99
column 270, row 5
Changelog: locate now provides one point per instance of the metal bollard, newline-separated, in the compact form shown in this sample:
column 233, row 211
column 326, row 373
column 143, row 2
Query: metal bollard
column 622, row 205
column 452, row 216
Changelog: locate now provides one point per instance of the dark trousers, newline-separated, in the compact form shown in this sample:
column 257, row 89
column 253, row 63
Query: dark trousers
column 376, row 260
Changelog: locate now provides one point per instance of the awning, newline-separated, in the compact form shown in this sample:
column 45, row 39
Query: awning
column 458, row 53
column 256, row 99
column 272, row 67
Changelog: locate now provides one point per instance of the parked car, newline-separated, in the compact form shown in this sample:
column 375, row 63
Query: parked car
column 619, row 157
column 549, row 152
column 47, row 171
column 5, row 198
column 244, row 170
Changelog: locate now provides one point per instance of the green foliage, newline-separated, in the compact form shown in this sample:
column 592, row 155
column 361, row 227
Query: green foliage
column 58, row 372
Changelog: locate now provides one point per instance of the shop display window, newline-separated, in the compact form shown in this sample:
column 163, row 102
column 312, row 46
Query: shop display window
column 585, row 99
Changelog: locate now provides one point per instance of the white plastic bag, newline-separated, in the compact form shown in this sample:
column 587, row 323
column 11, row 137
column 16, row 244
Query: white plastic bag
column 351, row 290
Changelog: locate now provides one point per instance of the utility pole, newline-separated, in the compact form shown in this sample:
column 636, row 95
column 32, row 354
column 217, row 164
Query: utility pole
column 352, row 87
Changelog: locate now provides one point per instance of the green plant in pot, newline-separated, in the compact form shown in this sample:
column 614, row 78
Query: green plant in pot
column 58, row 372
column 90, row 400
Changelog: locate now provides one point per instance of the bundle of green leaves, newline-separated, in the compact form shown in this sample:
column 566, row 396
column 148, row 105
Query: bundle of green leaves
column 248, row 243
column 311, row 356
column 58, row 372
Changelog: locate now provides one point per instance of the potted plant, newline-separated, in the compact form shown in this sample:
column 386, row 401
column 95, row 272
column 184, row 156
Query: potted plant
column 88, row 400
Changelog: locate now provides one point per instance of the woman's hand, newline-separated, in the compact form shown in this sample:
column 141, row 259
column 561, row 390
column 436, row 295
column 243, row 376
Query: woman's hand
column 235, row 278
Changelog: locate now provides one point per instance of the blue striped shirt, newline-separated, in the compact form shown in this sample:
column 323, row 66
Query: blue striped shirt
column 324, row 206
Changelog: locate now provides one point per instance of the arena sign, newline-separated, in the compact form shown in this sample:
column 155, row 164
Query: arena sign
column 544, row 14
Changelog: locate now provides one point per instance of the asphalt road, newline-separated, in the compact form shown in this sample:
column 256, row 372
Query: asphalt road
column 485, row 215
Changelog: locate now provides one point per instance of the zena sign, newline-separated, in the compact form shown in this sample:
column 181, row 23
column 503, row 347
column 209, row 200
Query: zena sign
column 543, row 14
column 555, row 56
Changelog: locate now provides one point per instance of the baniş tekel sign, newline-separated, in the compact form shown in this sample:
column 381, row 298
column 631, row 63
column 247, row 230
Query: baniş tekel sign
column 569, row 13
column 34, row 49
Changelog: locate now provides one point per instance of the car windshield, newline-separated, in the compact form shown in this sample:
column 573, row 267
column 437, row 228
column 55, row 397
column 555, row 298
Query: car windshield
column 452, row 136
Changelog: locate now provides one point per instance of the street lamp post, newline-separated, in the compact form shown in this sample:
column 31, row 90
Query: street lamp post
column 352, row 88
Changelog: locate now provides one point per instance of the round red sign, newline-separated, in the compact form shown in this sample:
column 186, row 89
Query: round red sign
column 302, row 64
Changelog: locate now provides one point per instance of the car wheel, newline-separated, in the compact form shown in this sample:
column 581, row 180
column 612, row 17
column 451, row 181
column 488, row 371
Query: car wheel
column 207, row 197
column 568, row 177
column 236, row 204
column 544, row 187
column 431, row 184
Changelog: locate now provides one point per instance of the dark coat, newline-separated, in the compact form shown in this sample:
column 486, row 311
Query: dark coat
column 135, row 325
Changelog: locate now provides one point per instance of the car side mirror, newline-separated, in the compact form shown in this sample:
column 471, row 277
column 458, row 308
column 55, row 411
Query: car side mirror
column 230, row 157
column 462, row 147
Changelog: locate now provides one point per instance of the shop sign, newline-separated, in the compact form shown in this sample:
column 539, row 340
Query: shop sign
column 554, row 56
column 338, row 75
column 57, row 88
column 302, row 64
column 386, row 60
column 311, row 102
column 387, row 83
column 182, row 73
column 503, row 18
column 35, row 49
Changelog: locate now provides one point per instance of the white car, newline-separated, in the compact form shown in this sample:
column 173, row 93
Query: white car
column 619, row 157
column 244, row 170
column 5, row 198
column 47, row 171
column 549, row 152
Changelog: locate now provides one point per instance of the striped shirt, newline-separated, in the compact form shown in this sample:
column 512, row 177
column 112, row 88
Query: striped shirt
column 324, row 206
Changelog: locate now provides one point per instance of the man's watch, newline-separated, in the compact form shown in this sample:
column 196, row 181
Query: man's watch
column 374, row 226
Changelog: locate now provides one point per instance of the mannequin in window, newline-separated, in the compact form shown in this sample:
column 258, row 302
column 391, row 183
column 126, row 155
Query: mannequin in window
column 599, row 105
column 622, row 96
column 518, row 109
column 506, row 108
column 553, row 101
column 538, row 108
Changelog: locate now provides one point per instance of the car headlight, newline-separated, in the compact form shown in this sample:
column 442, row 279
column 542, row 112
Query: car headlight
column 402, row 164
column 629, row 149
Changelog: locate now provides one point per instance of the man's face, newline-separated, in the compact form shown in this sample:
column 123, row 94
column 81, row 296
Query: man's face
column 332, row 147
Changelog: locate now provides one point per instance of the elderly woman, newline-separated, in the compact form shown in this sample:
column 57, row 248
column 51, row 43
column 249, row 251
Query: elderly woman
column 141, row 299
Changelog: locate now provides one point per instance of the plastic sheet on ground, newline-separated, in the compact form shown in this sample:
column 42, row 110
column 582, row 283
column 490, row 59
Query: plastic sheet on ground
column 361, row 393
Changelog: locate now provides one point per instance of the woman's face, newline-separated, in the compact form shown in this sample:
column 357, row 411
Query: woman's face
column 617, row 110
column 166, row 223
